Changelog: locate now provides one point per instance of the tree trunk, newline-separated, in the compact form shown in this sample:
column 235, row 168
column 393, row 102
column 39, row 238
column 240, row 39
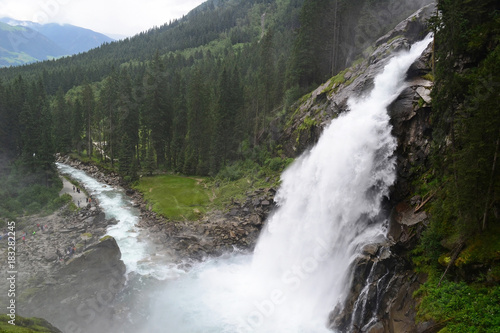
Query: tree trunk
column 490, row 186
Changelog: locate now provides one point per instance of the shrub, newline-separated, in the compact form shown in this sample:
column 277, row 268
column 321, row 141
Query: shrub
column 463, row 307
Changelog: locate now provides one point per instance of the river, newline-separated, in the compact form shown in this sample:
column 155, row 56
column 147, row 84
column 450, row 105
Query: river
column 329, row 208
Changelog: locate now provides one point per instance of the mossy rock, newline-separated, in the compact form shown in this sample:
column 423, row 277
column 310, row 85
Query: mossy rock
column 28, row 293
column 105, row 238
column 86, row 236
column 25, row 325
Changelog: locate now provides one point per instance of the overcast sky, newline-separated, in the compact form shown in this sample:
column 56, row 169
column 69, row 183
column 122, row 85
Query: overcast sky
column 122, row 17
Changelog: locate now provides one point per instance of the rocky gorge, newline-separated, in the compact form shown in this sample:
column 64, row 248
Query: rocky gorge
column 215, row 233
column 380, row 297
column 380, row 294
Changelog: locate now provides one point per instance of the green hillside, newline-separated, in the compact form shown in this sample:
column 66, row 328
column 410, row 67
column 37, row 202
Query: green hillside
column 201, row 96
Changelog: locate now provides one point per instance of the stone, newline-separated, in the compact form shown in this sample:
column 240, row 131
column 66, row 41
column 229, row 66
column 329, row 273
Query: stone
column 370, row 249
column 425, row 94
column 49, row 257
column 376, row 328
column 415, row 200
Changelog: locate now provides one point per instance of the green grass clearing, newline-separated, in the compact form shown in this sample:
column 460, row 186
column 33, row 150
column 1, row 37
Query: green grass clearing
column 175, row 197
column 185, row 198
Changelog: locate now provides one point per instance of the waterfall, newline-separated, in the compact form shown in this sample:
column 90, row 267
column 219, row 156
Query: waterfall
column 330, row 206
column 330, row 203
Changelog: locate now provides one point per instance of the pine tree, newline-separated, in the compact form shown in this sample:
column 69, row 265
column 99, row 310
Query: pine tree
column 128, row 115
column 62, row 123
column 108, row 105
column 467, row 115
column 77, row 126
column 179, row 123
column 198, row 127
column 37, row 150
column 157, row 108
column 150, row 161
column 88, row 107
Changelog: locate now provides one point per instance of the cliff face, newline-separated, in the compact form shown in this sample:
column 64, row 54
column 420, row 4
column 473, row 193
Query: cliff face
column 76, row 292
column 383, row 281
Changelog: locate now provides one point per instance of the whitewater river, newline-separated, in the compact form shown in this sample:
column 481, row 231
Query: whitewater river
column 136, row 253
column 329, row 208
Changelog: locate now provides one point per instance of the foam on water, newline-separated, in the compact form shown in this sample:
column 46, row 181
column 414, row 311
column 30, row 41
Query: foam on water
column 329, row 208
column 115, row 204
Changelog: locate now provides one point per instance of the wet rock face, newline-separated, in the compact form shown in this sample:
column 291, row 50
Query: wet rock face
column 311, row 115
column 410, row 117
column 73, row 290
column 380, row 296
column 83, row 291
column 382, row 283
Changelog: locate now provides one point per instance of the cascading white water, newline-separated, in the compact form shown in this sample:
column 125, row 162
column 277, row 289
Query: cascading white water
column 329, row 207
column 116, row 205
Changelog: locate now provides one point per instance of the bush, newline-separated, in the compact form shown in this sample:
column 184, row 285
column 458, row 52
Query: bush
column 462, row 307
column 33, row 208
column 231, row 172
column 278, row 164
column 25, row 192
column 59, row 202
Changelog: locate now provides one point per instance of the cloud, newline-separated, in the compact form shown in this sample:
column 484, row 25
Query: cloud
column 125, row 17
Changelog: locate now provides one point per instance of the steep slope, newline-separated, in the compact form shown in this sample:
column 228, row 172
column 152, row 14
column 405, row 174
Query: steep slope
column 384, row 266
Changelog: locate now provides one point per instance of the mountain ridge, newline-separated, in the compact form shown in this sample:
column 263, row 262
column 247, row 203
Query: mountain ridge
column 25, row 42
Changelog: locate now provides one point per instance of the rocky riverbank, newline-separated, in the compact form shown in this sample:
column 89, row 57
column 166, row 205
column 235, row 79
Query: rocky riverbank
column 63, row 261
column 215, row 233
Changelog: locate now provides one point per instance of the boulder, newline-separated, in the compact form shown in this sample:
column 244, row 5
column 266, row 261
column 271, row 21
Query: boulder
column 87, row 284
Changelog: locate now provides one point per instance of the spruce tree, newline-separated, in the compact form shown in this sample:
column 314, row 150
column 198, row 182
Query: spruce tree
column 62, row 123
column 88, row 107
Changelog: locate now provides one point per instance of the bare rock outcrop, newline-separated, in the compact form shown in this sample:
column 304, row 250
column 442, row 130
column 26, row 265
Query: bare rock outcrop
column 380, row 295
column 66, row 272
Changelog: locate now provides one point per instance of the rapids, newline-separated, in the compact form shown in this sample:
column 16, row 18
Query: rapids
column 330, row 206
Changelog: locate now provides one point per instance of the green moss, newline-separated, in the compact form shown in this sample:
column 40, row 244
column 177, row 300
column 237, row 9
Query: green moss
column 483, row 248
column 26, row 325
column 27, row 294
column 306, row 125
column 104, row 238
column 305, row 98
column 394, row 38
column 335, row 82
column 428, row 77
column 351, row 80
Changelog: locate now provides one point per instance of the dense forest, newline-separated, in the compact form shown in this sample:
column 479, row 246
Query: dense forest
column 192, row 96
column 460, row 249
column 196, row 95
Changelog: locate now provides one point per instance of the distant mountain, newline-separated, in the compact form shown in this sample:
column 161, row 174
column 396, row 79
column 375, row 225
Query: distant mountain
column 21, row 45
column 44, row 41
